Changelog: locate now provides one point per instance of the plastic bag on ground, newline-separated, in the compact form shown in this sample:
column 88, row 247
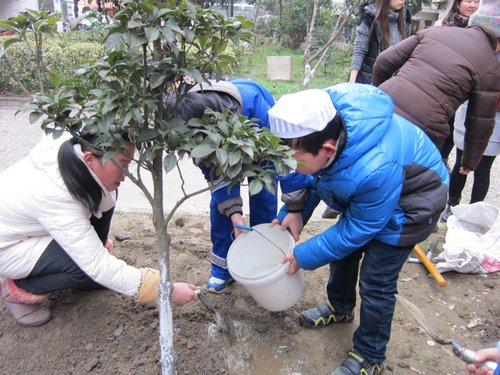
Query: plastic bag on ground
column 472, row 242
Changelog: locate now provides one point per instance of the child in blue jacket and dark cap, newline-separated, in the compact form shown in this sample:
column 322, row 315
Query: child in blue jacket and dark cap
column 387, row 179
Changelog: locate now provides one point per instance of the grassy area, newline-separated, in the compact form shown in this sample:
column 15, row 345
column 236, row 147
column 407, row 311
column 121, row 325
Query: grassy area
column 334, row 70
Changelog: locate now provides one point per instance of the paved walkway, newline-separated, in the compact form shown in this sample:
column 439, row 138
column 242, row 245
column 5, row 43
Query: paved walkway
column 18, row 136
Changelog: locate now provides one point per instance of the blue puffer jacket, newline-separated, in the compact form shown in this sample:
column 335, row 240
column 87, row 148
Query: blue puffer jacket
column 389, row 181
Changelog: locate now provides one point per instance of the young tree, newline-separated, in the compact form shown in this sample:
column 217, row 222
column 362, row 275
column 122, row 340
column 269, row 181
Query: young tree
column 346, row 13
column 152, row 49
column 38, row 24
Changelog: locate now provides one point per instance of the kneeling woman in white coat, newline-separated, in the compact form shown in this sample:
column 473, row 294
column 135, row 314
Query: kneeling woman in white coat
column 55, row 213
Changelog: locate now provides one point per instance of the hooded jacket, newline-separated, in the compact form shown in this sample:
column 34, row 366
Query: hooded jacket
column 36, row 208
column 429, row 75
column 388, row 181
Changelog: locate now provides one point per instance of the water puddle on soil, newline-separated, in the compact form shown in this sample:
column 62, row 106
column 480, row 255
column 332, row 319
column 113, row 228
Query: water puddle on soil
column 265, row 360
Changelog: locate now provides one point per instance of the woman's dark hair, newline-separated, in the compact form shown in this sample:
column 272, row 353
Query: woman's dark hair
column 314, row 142
column 448, row 18
column 382, row 16
column 75, row 174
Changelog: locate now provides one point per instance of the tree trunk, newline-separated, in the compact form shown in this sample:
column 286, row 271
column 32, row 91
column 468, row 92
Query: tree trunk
column 280, row 20
column 308, row 46
column 167, row 353
column 75, row 8
column 256, row 9
column 323, row 51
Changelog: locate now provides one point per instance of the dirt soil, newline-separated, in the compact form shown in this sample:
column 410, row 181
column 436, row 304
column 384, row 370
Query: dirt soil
column 101, row 332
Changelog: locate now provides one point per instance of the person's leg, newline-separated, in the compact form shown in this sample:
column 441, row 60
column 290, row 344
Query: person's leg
column 457, row 181
column 341, row 287
column 221, row 234
column 55, row 270
column 377, row 288
column 481, row 182
column 341, row 291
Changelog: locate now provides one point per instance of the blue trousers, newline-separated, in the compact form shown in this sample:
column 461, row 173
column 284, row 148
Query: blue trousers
column 55, row 270
column 263, row 208
column 378, row 276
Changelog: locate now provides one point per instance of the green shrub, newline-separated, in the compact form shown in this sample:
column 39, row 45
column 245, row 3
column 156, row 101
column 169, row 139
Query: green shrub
column 62, row 57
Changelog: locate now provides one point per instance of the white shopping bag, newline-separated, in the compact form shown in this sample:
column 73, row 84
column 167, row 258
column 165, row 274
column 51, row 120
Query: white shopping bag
column 472, row 242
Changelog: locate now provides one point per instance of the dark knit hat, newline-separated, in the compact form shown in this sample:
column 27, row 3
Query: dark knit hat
column 487, row 15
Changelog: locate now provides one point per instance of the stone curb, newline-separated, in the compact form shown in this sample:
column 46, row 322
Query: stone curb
column 13, row 102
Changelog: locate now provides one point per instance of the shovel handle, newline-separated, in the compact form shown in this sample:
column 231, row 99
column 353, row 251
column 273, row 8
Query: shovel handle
column 430, row 267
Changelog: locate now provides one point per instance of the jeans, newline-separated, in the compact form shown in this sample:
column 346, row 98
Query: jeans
column 480, row 185
column 55, row 270
column 378, row 278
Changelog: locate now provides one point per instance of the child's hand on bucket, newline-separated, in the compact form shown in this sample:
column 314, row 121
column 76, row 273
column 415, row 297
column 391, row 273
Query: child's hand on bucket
column 237, row 219
column 294, row 266
column 292, row 222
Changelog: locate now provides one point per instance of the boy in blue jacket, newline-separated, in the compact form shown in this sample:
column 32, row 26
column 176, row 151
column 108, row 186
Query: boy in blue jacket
column 387, row 179
column 252, row 100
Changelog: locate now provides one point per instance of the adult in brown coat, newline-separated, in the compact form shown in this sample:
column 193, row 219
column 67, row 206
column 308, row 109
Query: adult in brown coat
column 429, row 75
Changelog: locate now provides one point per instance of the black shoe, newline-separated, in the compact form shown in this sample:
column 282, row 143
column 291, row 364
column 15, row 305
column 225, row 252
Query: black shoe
column 356, row 365
column 330, row 213
column 322, row 316
column 446, row 214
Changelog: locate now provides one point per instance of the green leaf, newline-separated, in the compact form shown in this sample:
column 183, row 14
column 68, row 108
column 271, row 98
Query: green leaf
column 169, row 162
column 35, row 116
column 152, row 33
column 221, row 155
column 202, row 150
column 156, row 80
column 147, row 134
column 234, row 157
column 255, row 187
column 10, row 41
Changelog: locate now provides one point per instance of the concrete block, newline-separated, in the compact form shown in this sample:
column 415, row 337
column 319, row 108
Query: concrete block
column 279, row 67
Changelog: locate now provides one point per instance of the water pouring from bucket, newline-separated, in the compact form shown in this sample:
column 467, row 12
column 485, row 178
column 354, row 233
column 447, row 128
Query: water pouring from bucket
column 254, row 262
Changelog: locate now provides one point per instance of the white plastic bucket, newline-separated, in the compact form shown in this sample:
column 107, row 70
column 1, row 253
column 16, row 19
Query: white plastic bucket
column 256, row 264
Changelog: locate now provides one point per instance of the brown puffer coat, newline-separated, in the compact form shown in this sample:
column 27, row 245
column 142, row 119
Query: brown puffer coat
column 430, row 74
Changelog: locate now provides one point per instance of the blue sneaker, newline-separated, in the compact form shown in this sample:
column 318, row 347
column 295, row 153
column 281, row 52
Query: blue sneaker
column 216, row 285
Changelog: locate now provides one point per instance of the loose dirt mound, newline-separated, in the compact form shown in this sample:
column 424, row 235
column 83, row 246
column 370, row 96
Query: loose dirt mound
column 100, row 332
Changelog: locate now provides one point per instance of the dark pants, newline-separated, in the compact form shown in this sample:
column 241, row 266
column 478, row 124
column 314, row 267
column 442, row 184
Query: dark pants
column 480, row 185
column 378, row 278
column 55, row 270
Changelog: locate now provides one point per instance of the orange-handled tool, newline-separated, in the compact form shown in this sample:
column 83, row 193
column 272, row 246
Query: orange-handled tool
column 430, row 267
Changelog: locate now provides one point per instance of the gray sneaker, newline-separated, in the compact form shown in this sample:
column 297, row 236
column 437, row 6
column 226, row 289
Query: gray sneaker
column 322, row 316
column 357, row 365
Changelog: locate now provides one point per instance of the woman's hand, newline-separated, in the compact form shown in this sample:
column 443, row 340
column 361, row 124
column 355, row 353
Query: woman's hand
column 464, row 171
column 184, row 293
